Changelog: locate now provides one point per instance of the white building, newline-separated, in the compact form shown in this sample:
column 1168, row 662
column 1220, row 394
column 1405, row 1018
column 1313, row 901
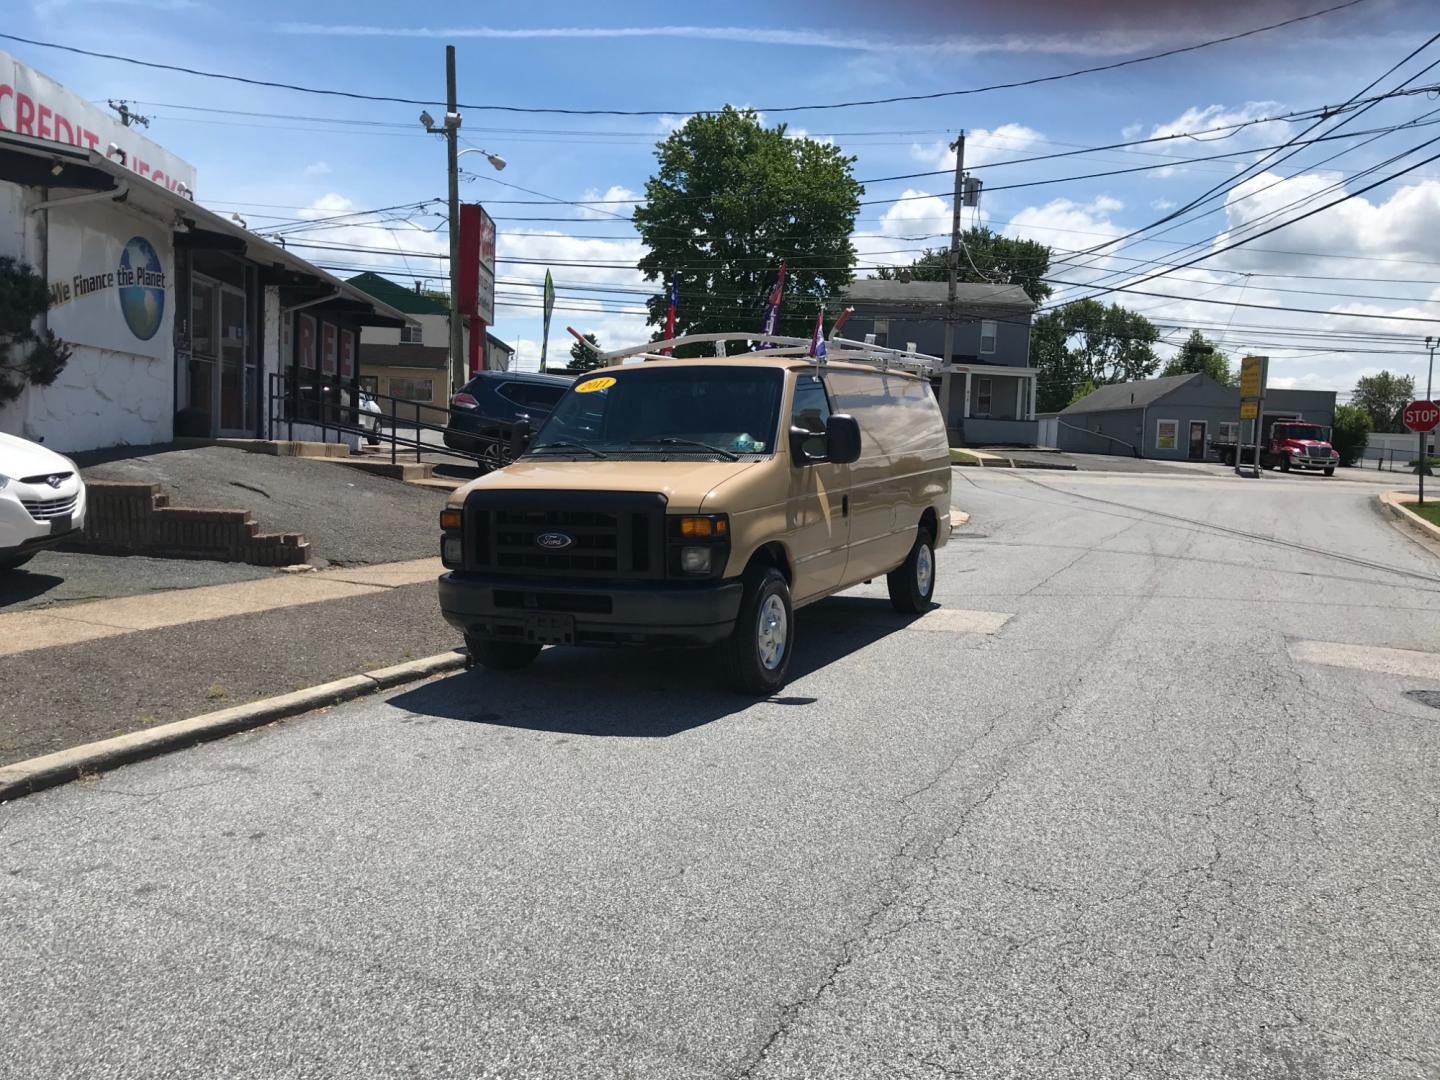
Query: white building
column 181, row 321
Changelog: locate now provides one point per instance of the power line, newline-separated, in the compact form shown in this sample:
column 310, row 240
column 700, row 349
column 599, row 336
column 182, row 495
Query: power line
column 1420, row 121
column 1266, row 232
column 1230, row 186
column 356, row 96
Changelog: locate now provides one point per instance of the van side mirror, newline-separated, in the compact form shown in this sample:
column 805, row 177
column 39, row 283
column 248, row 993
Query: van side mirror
column 843, row 434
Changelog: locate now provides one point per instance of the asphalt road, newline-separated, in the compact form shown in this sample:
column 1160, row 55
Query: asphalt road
column 1136, row 832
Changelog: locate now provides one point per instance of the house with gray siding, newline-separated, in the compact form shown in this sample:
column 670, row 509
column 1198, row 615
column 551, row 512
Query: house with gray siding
column 1174, row 417
column 988, row 383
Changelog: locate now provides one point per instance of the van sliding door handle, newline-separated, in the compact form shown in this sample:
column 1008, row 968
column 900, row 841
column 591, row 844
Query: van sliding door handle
column 845, row 506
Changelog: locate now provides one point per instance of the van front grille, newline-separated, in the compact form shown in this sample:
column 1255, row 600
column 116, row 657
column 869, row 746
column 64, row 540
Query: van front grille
column 560, row 535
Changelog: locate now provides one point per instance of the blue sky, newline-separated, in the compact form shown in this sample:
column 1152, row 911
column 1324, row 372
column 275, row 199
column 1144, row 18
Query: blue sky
column 306, row 156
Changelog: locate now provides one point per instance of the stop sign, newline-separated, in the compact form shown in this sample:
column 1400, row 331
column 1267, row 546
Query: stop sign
column 1421, row 415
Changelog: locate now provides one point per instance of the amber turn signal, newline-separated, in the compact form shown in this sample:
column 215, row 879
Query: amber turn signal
column 703, row 527
column 449, row 519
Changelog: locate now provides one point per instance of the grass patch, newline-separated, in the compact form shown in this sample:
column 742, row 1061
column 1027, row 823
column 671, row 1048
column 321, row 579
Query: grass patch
column 1428, row 510
column 216, row 693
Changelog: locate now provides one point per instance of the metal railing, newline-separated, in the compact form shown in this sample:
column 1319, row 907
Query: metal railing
column 402, row 423
column 1392, row 459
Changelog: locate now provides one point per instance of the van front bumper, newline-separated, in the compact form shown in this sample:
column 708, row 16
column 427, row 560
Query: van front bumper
column 522, row 609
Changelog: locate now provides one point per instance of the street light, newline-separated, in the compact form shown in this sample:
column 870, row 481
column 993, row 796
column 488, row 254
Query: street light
column 450, row 129
column 494, row 159
column 1431, row 343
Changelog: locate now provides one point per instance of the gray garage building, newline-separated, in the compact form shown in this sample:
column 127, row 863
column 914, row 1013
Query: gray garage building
column 1174, row 417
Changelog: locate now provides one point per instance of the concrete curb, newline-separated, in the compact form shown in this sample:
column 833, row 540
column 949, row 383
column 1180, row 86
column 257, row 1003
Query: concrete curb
column 1394, row 501
column 26, row 777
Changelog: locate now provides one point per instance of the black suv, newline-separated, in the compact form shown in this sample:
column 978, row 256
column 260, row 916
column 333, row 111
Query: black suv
column 487, row 408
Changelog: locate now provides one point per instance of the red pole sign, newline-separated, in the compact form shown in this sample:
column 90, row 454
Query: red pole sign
column 1421, row 415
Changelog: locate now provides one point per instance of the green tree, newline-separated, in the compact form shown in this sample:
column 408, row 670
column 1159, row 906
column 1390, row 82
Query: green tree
column 1085, row 344
column 1199, row 354
column 582, row 359
column 730, row 200
column 27, row 358
column 993, row 259
column 1110, row 344
column 1384, row 396
column 1352, row 425
column 1059, row 372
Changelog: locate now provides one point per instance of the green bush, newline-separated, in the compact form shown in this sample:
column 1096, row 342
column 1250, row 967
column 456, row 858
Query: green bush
column 1352, row 426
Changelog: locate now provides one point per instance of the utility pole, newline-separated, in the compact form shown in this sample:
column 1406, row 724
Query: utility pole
column 1431, row 343
column 452, row 153
column 959, row 147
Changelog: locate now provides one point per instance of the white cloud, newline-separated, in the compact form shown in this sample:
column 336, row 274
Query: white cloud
column 1117, row 42
column 317, row 168
column 1404, row 226
column 616, row 199
column 981, row 146
column 1203, row 118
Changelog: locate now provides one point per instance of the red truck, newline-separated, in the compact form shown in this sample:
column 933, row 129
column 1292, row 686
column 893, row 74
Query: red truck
column 1287, row 444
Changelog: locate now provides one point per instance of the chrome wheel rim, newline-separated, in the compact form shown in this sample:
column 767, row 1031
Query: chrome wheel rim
column 771, row 631
column 925, row 570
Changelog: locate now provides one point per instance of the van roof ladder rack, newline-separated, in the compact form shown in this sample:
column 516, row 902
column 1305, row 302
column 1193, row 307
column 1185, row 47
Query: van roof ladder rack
column 863, row 352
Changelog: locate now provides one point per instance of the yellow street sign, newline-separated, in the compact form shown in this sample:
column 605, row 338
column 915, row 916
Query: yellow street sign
column 1249, row 410
column 1252, row 374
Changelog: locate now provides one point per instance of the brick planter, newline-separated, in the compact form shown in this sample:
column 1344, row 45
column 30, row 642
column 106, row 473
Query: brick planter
column 135, row 519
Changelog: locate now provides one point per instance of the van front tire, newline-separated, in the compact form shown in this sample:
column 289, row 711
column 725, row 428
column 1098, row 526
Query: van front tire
column 912, row 583
column 501, row 655
column 756, row 658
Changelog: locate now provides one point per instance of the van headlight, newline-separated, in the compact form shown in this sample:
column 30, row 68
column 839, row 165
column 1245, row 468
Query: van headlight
column 699, row 545
column 452, row 550
column 695, row 560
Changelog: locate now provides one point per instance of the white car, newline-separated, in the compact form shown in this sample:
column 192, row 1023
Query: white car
column 370, row 418
column 42, row 500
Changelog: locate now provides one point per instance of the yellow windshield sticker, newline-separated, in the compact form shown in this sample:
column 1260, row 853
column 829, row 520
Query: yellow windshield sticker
column 589, row 386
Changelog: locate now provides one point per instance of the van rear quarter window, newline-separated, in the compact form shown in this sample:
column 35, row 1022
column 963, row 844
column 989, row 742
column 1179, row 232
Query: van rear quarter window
column 897, row 414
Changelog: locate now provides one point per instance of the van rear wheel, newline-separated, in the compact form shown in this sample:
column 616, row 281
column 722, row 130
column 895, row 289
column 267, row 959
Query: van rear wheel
column 501, row 655
column 912, row 583
column 756, row 658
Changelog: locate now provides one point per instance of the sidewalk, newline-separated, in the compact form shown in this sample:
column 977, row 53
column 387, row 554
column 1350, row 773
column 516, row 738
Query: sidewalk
column 77, row 672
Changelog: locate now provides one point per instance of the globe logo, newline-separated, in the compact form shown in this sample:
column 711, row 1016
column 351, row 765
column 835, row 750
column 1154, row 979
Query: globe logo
column 142, row 288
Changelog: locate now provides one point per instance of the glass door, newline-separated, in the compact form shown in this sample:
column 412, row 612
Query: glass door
column 203, row 308
column 235, row 416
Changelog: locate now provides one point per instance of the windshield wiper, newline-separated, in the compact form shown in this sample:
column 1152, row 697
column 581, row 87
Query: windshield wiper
column 569, row 446
column 671, row 440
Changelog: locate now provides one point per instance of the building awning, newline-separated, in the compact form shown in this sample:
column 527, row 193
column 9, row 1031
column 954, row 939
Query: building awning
column 61, row 169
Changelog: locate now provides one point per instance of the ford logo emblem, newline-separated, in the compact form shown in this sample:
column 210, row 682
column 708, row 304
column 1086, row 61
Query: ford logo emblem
column 554, row 540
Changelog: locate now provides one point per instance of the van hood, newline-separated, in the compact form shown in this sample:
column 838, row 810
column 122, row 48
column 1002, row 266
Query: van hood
column 21, row 457
column 684, row 483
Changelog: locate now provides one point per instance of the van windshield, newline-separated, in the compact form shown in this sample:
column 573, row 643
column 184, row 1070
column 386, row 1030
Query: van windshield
column 653, row 410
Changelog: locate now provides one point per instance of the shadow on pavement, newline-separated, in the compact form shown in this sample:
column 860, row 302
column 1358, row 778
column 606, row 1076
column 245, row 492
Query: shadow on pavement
column 643, row 694
column 20, row 585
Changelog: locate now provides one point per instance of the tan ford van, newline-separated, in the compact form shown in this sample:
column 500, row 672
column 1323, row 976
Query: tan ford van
column 700, row 502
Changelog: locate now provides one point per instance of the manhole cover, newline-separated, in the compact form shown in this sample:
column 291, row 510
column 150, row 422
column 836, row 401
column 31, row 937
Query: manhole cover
column 1425, row 697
